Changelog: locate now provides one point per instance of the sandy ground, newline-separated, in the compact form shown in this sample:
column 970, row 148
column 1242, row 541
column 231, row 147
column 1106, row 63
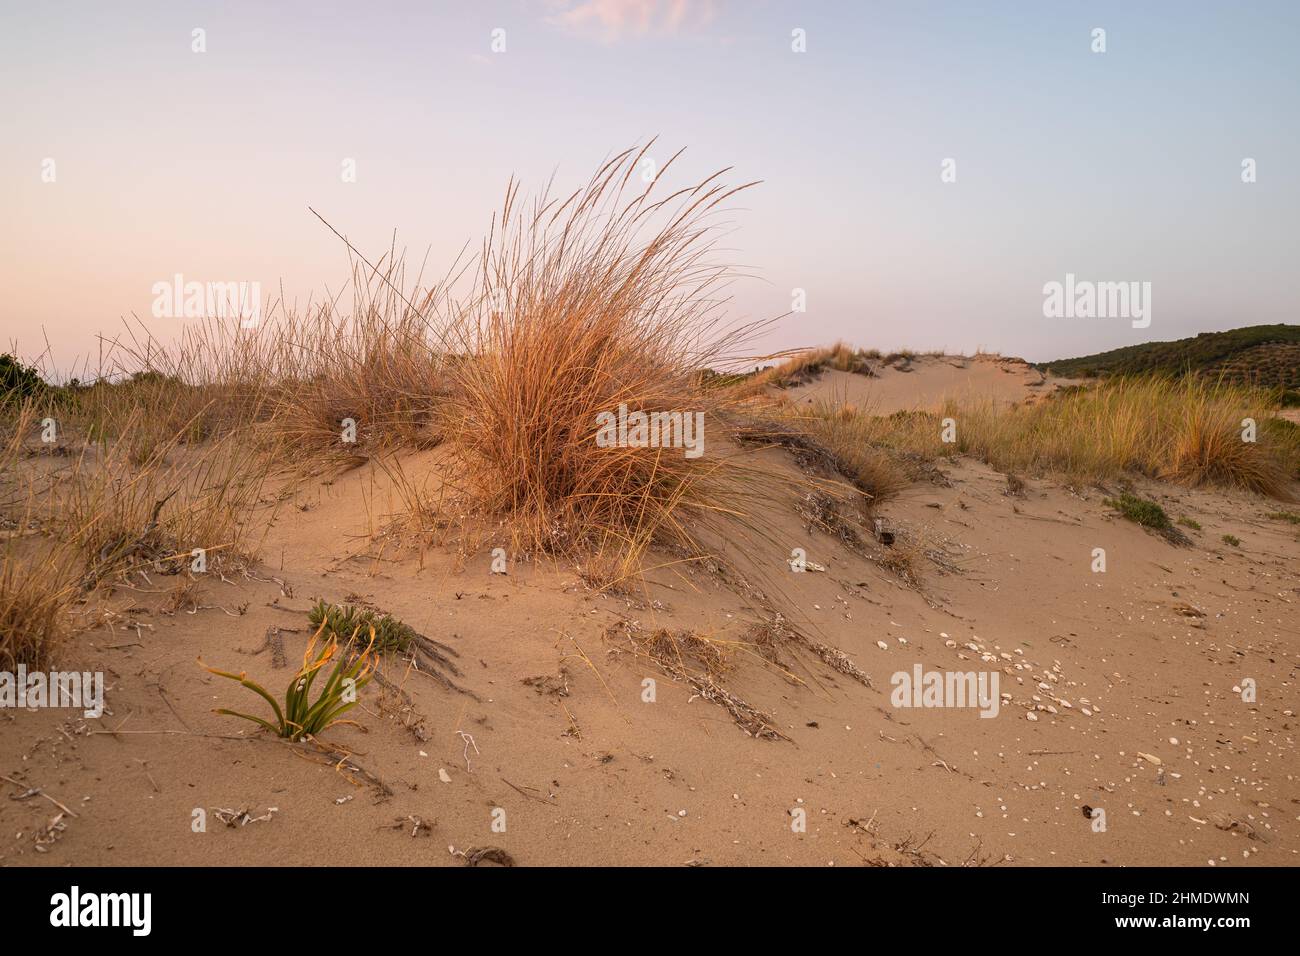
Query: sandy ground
column 554, row 755
column 925, row 382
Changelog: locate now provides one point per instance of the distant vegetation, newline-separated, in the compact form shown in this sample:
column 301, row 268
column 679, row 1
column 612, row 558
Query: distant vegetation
column 1185, row 430
column 18, row 381
column 1264, row 355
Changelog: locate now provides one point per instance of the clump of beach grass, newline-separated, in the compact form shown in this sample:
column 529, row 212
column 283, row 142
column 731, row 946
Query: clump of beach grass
column 602, row 300
column 1190, row 431
column 854, row 441
column 806, row 365
column 36, row 596
column 121, row 514
column 1141, row 511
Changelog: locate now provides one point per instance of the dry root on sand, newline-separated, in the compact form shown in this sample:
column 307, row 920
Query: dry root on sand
column 701, row 663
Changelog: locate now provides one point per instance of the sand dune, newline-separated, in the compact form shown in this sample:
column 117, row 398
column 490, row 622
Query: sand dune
column 925, row 382
column 1118, row 690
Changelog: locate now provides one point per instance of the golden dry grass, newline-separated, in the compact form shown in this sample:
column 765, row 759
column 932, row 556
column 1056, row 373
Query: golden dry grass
column 807, row 364
column 1190, row 431
column 37, row 589
column 605, row 298
column 121, row 516
column 37, row 576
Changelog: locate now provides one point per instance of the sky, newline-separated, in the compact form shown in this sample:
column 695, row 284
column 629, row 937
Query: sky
column 926, row 167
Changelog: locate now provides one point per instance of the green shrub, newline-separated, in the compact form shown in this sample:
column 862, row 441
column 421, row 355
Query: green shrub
column 18, row 381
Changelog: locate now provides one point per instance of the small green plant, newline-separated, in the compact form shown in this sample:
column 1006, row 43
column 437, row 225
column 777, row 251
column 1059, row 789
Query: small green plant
column 1190, row 523
column 345, row 621
column 1144, row 512
column 301, row 716
column 387, row 634
column 1232, row 540
column 1149, row 515
column 1290, row 516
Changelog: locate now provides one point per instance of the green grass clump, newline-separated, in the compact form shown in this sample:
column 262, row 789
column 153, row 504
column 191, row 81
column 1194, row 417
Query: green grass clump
column 1190, row 523
column 1149, row 515
column 300, row 716
column 1290, row 516
column 1143, row 512
column 1232, row 539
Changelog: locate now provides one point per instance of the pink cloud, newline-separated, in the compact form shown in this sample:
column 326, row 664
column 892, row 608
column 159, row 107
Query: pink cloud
column 613, row 19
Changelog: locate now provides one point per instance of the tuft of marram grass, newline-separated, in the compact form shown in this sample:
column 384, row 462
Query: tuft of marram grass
column 38, row 576
column 602, row 299
column 1190, row 431
column 121, row 514
column 809, row 364
column 36, row 597
column 853, row 438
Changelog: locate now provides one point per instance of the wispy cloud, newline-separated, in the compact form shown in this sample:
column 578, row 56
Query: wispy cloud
column 612, row 20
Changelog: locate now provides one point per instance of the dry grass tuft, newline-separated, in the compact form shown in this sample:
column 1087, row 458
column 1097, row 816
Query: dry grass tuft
column 903, row 560
column 121, row 515
column 849, row 435
column 808, row 365
column 601, row 301
column 36, row 596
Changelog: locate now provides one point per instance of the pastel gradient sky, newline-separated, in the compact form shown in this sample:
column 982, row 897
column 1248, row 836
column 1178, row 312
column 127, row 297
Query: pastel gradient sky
column 1117, row 166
